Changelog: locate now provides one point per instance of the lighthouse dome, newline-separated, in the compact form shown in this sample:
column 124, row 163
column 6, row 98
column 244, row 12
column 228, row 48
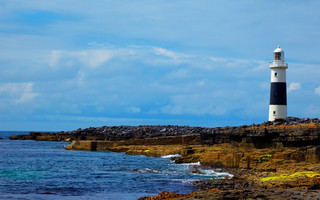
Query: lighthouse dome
column 278, row 50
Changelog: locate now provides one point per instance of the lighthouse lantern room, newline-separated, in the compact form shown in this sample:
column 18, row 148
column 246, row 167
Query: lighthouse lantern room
column 278, row 89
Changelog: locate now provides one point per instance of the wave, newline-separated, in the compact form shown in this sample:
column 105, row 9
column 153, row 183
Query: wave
column 146, row 170
column 187, row 180
column 171, row 156
column 214, row 174
column 192, row 164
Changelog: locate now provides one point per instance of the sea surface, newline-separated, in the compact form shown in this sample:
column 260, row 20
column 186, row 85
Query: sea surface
column 45, row 170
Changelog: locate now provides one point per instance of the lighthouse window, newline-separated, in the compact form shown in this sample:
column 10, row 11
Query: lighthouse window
column 274, row 112
column 277, row 56
column 275, row 74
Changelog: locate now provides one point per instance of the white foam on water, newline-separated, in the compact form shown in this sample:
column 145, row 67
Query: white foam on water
column 171, row 156
column 191, row 164
column 186, row 180
column 146, row 170
column 213, row 174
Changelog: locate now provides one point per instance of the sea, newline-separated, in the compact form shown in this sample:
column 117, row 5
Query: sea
column 36, row 170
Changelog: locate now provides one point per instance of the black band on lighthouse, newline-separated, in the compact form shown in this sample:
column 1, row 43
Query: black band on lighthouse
column 278, row 93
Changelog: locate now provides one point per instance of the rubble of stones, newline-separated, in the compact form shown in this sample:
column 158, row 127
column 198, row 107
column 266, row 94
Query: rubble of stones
column 134, row 132
column 129, row 132
column 207, row 135
column 292, row 121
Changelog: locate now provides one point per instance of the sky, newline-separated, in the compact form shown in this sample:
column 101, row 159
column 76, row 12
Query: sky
column 69, row 64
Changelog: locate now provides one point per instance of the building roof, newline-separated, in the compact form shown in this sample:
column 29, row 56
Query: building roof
column 278, row 50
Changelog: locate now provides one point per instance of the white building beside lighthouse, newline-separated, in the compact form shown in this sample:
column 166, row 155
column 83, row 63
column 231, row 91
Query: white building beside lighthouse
column 278, row 89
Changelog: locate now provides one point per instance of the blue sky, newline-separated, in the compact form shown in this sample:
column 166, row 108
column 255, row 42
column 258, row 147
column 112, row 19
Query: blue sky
column 68, row 64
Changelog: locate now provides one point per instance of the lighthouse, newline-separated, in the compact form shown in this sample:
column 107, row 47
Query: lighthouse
column 278, row 89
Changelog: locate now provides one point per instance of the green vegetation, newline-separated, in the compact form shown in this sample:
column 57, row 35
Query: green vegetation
column 287, row 177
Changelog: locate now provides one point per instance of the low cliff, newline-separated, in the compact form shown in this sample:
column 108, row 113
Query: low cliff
column 103, row 145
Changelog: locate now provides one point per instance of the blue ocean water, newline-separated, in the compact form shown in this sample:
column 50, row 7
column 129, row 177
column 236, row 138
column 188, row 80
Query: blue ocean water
column 45, row 170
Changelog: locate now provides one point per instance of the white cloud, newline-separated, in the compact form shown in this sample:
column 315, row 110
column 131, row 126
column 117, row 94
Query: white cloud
column 90, row 58
column 239, row 63
column 14, row 88
column 94, row 58
column 20, row 92
column 294, row 86
column 215, row 59
column 317, row 90
column 261, row 66
column 168, row 53
column 26, row 97
column 55, row 58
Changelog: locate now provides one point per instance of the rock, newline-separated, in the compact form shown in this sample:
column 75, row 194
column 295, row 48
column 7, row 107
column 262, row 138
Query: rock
column 164, row 195
column 20, row 137
column 195, row 171
column 163, row 130
column 187, row 151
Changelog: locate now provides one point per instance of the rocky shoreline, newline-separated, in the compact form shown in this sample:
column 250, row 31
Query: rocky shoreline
column 272, row 160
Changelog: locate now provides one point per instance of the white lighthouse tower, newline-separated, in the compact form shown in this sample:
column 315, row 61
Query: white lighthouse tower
column 278, row 90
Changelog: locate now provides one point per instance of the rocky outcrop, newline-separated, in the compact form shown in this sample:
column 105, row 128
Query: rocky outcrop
column 44, row 136
column 99, row 145
column 290, row 132
column 262, row 138
column 116, row 133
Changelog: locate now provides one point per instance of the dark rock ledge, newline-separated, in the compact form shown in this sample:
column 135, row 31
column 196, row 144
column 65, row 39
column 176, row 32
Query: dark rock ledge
column 287, row 133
